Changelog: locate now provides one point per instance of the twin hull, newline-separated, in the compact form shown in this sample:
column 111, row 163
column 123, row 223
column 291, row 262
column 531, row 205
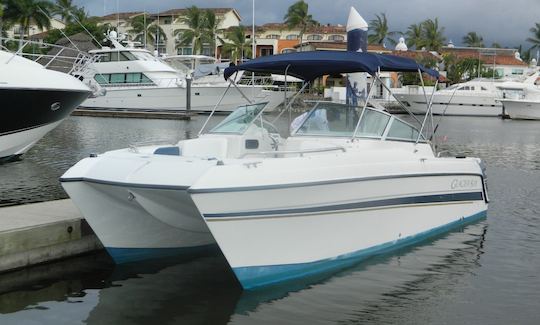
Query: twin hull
column 271, row 231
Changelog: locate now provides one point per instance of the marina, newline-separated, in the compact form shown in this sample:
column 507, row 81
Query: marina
column 177, row 166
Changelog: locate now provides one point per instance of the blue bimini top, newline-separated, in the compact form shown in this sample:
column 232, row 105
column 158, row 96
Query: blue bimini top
column 313, row 64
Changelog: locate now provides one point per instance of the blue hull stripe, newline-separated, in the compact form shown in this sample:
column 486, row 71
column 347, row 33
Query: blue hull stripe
column 439, row 198
column 260, row 276
column 127, row 255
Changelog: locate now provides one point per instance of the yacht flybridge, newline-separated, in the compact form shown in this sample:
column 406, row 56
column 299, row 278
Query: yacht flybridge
column 135, row 79
column 34, row 101
column 340, row 185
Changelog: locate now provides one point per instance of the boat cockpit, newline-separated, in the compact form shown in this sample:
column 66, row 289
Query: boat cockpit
column 325, row 128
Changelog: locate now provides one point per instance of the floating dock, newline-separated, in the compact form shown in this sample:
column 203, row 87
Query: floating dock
column 42, row 232
column 133, row 114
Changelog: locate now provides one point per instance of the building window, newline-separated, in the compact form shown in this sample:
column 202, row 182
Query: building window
column 288, row 50
column 292, row 36
column 267, row 51
column 207, row 51
column 185, row 51
column 272, row 36
column 167, row 21
column 314, row 37
column 517, row 71
column 336, row 38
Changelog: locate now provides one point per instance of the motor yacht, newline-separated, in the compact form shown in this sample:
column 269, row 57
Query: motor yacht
column 34, row 100
column 475, row 97
column 339, row 185
column 134, row 79
column 520, row 101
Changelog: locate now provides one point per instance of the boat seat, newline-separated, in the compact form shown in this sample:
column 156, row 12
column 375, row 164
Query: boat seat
column 169, row 151
column 208, row 148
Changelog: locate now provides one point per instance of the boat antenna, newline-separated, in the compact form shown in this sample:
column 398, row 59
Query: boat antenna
column 61, row 31
column 253, row 49
column 144, row 31
column 86, row 30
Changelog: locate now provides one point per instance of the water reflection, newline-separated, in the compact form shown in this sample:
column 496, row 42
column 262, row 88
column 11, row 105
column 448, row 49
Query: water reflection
column 202, row 290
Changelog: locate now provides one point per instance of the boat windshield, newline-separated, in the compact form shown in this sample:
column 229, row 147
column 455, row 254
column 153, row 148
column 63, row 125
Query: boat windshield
column 338, row 120
column 239, row 120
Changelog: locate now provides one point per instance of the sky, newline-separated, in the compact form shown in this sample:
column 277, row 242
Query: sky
column 504, row 21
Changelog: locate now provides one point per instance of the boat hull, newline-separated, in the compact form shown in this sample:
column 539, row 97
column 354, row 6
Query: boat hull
column 459, row 106
column 313, row 229
column 174, row 98
column 124, row 218
column 29, row 114
column 521, row 109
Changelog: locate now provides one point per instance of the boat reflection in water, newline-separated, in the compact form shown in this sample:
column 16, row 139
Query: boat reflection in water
column 203, row 290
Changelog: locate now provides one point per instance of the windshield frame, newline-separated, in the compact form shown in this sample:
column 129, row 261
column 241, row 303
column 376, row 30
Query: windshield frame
column 248, row 125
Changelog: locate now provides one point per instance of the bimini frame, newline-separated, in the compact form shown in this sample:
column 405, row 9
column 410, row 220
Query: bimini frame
column 376, row 79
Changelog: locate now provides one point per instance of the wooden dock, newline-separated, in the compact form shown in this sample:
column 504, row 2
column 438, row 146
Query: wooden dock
column 42, row 232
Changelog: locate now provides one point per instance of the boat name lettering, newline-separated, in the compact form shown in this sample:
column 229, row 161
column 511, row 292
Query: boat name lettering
column 463, row 183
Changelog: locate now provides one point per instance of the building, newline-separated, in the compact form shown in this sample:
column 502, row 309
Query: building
column 16, row 31
column 172, row 21
column 505, row 62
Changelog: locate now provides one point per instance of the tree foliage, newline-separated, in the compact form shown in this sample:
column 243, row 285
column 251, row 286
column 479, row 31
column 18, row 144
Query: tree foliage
column 379, row 31
column 202, row 29
column 472, row 39
column 298, row 16
column 237, row 47
column 143, row 29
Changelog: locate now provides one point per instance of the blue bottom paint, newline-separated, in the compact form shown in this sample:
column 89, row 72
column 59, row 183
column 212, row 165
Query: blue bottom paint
column 260, row 276
column 128, row 255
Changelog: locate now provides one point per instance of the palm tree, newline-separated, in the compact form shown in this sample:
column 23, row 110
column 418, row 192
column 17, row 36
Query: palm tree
column 380, row 31
column 64, row 9
column 238, row 47
column 472, row 39
column 142, row 28
column 535, row 39
column 79, row 14
column 415, row 35
column 433, row 35
column 197, row 33
column 496, row 45
column 212, row 26
column 27, row 12
column 297, row 16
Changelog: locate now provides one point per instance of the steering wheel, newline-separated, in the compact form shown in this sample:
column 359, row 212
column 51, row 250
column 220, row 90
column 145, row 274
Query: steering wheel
column 273, row 134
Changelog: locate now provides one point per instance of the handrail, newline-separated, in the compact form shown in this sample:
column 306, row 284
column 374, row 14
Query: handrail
column 292, row 152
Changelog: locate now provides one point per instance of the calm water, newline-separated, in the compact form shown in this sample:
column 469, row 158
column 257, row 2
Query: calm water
column 485, row 273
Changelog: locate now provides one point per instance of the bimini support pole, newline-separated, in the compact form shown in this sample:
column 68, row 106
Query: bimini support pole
column 289, row 105
column 372, row 87
column 429, row 108
column 216, row 106
column 399, row 101
column 240, row 91
column 285, row 94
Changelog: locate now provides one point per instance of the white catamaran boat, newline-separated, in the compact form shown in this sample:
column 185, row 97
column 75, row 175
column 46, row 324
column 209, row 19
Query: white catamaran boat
column 136, row 80
column 347, row 183
column 34, row 101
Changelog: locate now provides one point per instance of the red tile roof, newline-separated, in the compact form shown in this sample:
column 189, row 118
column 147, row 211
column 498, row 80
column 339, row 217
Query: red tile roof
column 487, row 56
column 121, row 15
column 323, row 29
column 340, row 46
column 182, row 11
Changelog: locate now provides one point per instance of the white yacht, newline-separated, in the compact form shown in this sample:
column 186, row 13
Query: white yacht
column 34, row 101
column 475, row 97
column 347, row 183
column 520, row 101
column 136, row 80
